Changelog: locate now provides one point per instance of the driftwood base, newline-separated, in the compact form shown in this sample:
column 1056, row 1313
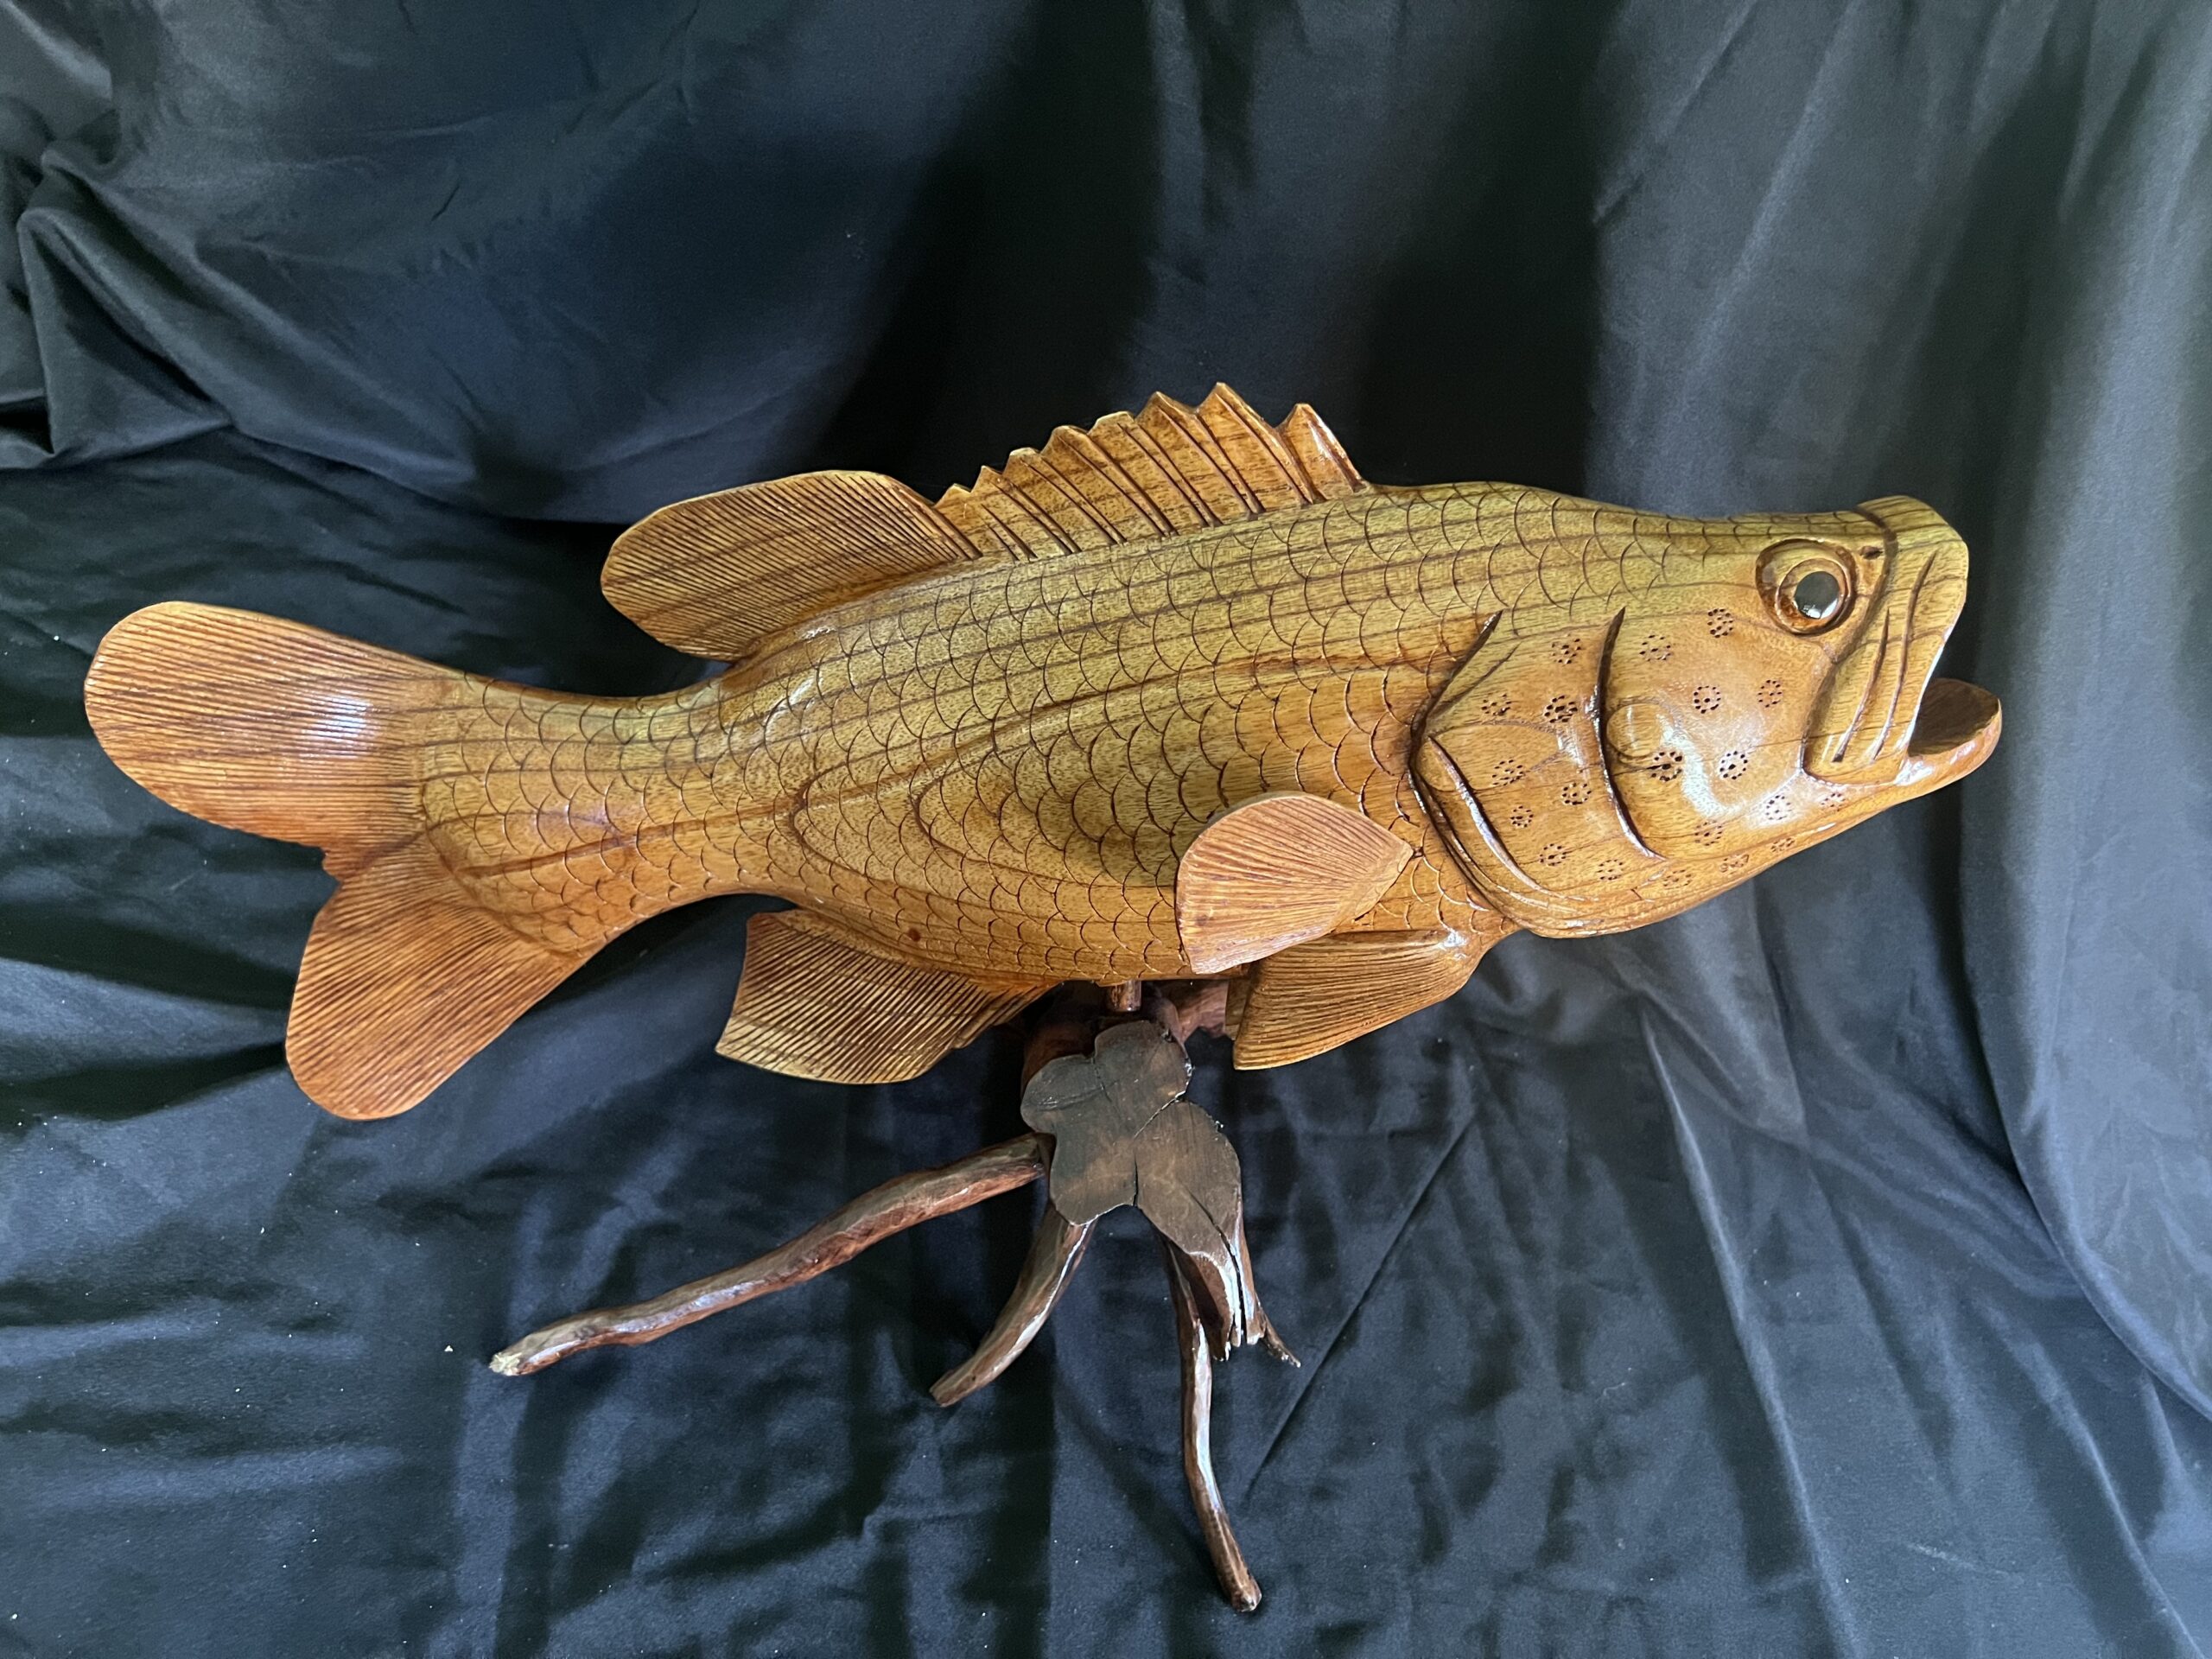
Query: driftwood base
column 1202, row 1234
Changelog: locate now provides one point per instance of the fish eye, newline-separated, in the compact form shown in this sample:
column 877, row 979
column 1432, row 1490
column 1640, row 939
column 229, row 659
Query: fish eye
column 1815, row 594
column 1810, row 586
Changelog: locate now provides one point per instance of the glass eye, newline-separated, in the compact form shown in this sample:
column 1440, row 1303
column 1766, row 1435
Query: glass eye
column 1815, row 595
column 1809, row 586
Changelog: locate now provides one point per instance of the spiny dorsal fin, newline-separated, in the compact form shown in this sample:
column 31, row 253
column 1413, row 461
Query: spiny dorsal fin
column 1313, row 997
column 1132, row 477
column 716, row 575
column 814, row 1001
column 1277, row 870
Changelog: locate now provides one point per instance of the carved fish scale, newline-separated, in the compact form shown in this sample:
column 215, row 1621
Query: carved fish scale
column 1026, row 800
column 1175, row 695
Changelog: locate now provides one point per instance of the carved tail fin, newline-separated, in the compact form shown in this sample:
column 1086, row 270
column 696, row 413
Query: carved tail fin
column 286, row 731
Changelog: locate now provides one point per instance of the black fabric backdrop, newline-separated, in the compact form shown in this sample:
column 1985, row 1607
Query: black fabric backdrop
column 1822, row 1271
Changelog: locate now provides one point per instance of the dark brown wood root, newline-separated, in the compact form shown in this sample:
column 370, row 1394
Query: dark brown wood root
column 1216, row 1307
column 1054, row 1254
column 904, row 1202
column 1183, row 1007
column 1196, row 1346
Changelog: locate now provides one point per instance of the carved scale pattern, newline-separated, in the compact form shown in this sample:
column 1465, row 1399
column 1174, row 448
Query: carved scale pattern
column 996, row 767
column 979, row 735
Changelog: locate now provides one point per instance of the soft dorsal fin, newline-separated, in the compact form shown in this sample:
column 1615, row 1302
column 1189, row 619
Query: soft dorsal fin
column 1132, row 477
column 716, row 575
column 1315, row 996
column 1276, row 871
column 814, row 1001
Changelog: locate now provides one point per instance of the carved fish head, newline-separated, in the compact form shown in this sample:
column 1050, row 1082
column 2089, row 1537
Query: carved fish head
column 1751, row 686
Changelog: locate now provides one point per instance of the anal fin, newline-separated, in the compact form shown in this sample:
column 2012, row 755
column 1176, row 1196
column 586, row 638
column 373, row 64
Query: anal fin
column 716, row 575
column 1274, row 871
column 1315, row 996
column 813, row 1002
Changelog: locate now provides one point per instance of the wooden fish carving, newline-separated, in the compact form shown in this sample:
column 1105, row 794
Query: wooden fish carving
column 1182, row 695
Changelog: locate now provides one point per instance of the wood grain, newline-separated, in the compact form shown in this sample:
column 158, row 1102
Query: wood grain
column 905, row 1201
column 813, row 1002
column 1276, row 871
column 1195, row 1347
column 1054, row 1254
column 981, row 737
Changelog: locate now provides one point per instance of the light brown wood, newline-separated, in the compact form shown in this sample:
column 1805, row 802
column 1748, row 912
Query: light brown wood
column 817, row 1002
column 981, row 739
column 1276, row 871
column 1314, row 997
column 717, row 575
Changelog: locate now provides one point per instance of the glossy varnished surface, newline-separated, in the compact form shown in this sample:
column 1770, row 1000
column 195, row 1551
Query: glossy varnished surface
column 999, row 767
column 986, row 751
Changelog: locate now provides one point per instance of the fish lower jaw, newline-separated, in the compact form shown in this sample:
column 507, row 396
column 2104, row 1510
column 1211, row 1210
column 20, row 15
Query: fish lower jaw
column 1954, row 731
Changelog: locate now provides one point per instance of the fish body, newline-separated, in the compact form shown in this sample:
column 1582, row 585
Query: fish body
column 1000, row 766
column 975, row 745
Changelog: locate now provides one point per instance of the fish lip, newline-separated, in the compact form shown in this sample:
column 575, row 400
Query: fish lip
column 1862, row 724
column 1954, row 731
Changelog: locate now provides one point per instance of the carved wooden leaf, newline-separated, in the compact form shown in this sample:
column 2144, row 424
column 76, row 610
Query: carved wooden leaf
column 1122, row 1134
column 1189, row 1183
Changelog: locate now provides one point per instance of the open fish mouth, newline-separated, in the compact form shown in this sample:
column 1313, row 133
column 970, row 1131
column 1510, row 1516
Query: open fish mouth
column 1881, row 711
column 1956, row 727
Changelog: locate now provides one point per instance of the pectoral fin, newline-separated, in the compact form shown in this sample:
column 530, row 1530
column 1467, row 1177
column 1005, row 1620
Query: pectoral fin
column 1276, row 871
column 1312, row 998
column 814, row 1001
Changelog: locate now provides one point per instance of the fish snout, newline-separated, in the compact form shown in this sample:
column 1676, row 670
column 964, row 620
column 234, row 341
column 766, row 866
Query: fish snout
column 1866, row 726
